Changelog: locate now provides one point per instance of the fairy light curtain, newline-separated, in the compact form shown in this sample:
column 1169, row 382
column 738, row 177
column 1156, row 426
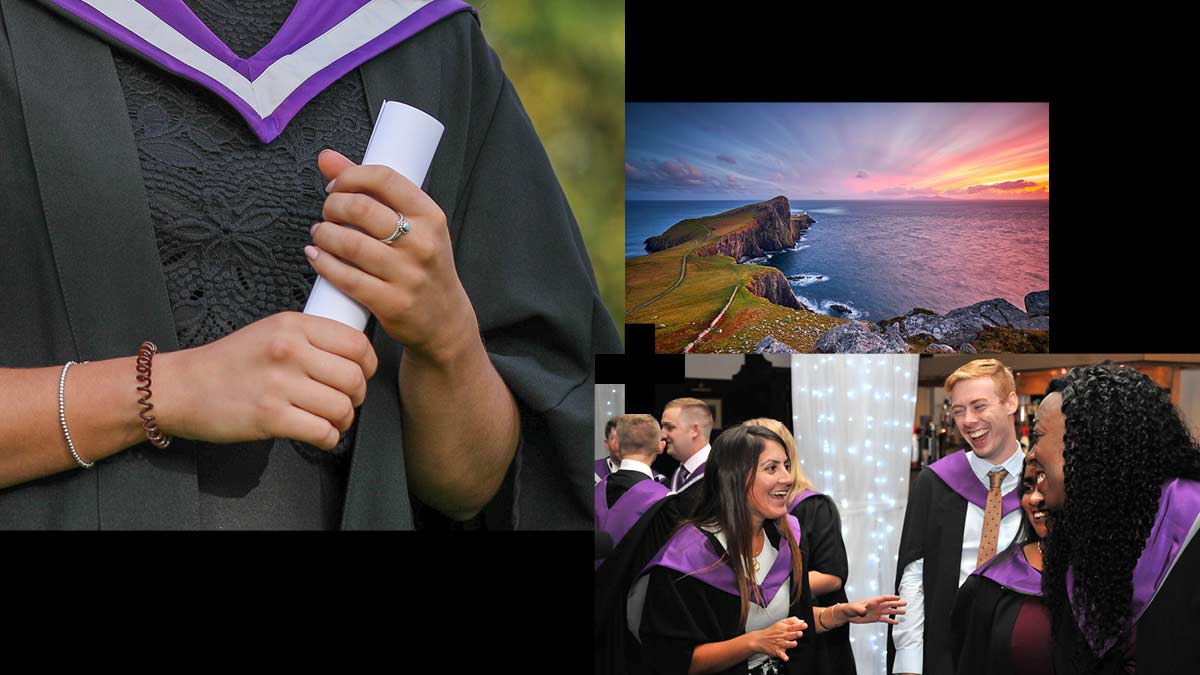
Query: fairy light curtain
column 852, row 418
column 610, row 401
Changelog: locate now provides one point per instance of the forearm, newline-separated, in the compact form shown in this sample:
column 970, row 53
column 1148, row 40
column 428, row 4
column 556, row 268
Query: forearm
column 828, row 618
column 460, row 425
column 714, row 657
column 101, row 409
column 822, row 583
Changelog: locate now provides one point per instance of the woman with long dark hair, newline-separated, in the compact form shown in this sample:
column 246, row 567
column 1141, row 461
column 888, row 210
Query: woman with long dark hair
column 1000, row 623
column 1122, row 480
column 824, row 554
column 728, row 592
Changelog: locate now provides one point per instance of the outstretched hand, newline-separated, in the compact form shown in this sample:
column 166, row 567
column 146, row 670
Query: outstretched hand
column 878, row 609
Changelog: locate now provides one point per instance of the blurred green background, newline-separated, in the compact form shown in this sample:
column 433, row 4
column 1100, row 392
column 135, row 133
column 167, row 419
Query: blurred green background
column 567, row 61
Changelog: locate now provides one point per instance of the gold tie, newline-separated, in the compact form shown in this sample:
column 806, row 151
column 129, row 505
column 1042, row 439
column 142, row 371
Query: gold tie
column 991, row 519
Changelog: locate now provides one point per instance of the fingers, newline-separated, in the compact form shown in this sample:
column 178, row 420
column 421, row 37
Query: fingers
column 301, row 425
column 389, row 187
column 337, row 372
column 371, row 256
column 337, row 338
column 362, row 211
column 332, row 163
column 325, row 402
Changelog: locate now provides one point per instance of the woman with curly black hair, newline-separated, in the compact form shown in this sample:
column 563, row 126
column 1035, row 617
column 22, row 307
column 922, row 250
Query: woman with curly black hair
column 728, row 593
column 1122, row 480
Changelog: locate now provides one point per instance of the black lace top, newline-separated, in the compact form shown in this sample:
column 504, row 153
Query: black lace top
column 231, row 218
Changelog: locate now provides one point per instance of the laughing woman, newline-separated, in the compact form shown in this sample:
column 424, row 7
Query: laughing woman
column 823, row 551
column 1000, row 622
column 728, row 593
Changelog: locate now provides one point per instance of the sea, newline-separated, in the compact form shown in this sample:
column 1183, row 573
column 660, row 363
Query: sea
column 875, row 260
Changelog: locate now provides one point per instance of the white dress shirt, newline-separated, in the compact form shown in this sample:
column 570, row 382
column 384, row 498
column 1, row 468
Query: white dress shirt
column 699, row 457
column 635, row 465
column 909, row 634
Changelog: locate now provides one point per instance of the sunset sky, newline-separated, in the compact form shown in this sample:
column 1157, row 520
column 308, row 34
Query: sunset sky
column 837, row 150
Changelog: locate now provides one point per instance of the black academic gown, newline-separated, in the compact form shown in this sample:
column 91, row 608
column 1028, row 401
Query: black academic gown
column 682, row 612
column 824, row 551
column 620, row 482
column 985, row 613
column 1167, row 637
column 82, row 278
column 933, row 530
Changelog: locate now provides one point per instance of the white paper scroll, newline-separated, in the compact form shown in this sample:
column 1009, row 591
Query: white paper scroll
column 404, row 140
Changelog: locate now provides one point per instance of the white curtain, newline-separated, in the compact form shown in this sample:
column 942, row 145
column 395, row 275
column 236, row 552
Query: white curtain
column 852, row 418
column 610, row 402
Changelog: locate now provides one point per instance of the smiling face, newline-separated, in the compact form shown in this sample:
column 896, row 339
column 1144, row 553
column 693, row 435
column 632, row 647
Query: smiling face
column 1032, row 499
column 984, row 419
column 1047, row 451
column 679, row 432
column 770, row 484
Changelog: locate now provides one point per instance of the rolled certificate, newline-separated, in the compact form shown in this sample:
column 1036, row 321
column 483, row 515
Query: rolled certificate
column 404, row 140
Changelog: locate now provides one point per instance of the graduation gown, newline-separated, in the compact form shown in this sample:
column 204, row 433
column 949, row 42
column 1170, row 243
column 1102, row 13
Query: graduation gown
column 1166, row 599
column 824, row 551
column 933, row 530
column 683, row 611
column 83, row 279
column 622, row 498
column 999, row 623
column 617, row 651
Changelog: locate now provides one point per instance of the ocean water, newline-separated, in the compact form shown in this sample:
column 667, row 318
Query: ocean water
column 878, row 259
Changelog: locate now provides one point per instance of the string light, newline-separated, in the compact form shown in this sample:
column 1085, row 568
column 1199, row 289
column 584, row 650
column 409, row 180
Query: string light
column 867, row 462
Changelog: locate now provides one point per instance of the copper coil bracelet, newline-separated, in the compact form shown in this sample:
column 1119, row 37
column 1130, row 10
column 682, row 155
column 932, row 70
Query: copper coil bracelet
column 153, row 433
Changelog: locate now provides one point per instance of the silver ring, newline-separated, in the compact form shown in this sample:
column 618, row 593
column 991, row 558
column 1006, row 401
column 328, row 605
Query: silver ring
column 402, row 229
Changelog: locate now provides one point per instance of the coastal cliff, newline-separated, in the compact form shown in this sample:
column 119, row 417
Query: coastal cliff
column 772, row 285
column 766, row 226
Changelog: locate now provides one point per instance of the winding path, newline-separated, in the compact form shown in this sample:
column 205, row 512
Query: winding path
column 688, row 349
column 682, row 272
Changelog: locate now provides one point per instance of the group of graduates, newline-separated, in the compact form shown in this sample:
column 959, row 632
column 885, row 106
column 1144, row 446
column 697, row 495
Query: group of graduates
column 1072, row 558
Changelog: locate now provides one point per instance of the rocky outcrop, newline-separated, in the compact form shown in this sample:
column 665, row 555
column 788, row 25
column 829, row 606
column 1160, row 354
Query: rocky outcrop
column 662, row 242
column 772, row 285
column 770, row 345
column 987, row 326
column 1038, row 303
column 857, row 337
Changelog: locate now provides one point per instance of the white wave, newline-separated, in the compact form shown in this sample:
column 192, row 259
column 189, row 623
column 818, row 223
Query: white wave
column 827, row 308
column 832, row 210
column 806, row 279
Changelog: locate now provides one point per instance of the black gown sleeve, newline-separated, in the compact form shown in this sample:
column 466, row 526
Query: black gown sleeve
column 825, row 551
column 682, row 613
column 821, row 525
column 522, row 261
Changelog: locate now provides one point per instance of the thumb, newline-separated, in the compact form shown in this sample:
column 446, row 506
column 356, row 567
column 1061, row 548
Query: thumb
column 331, row 163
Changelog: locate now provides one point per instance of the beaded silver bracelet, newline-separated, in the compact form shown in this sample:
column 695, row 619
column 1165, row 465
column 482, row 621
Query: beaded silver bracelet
column 62, row 416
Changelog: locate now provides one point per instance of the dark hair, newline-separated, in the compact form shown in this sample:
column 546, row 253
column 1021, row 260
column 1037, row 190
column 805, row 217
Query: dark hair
column 610, row 425
column 1123, row 439
column 728, row 474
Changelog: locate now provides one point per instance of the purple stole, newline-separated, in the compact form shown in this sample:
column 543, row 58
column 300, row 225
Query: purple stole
column 688, row 552
column 1178, row 509
column 320, row 41
column 1013, row 571
column 801, row 497
column 602, row 468
column 956, row 472
column 618, row 520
